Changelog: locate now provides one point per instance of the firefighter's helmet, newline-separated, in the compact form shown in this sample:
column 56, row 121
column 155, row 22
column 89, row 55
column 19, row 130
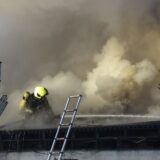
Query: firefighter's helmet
column 40, row 92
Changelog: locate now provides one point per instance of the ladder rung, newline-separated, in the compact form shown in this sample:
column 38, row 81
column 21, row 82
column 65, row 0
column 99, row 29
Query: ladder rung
column 60, row 139
column 71, row 110
column 76, row 96
column 55, row 153
column 66, row 124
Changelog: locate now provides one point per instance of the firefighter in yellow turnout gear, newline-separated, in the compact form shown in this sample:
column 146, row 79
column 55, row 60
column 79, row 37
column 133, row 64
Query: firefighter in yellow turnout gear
column 34, row 103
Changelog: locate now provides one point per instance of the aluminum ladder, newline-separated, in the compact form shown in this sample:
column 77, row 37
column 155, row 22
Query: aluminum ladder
column 3, row 99
column 73, row 111
column 3, row 103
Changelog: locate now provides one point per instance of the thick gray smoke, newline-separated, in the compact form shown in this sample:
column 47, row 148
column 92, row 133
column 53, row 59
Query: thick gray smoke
column 106, row 50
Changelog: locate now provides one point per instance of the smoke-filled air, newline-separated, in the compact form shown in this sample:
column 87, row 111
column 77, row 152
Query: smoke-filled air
column 108, row 51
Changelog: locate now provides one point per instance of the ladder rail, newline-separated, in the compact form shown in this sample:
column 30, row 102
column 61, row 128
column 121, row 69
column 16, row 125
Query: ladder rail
column 69, row 128
column 74, row 112
column 3, row 103
column 58, row 129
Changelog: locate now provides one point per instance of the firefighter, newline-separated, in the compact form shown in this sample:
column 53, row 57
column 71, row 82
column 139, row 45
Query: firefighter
column 34, row 103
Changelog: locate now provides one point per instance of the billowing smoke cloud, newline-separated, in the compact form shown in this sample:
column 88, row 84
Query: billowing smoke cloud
column 116, row 84
column 108, row 51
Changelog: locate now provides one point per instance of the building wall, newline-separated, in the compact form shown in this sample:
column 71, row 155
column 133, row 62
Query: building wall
column 87, row 155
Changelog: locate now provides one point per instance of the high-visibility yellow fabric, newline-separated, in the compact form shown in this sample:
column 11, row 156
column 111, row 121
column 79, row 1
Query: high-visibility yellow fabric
column 22, row 104
column 26, row 95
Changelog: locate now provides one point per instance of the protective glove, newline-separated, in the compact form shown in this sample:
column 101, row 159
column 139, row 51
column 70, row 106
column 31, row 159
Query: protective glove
column 29, row 111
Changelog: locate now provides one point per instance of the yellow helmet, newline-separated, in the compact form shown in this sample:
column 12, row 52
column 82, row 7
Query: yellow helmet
column 40, row 92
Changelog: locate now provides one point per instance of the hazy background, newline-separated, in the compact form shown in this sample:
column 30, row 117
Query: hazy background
column 107, row 50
